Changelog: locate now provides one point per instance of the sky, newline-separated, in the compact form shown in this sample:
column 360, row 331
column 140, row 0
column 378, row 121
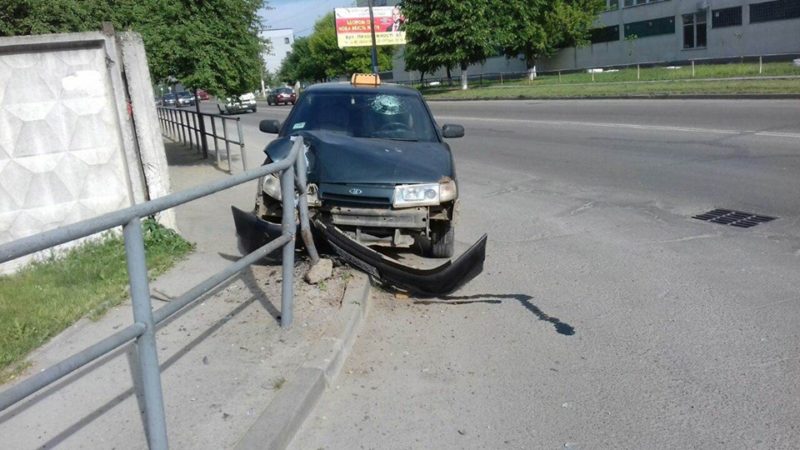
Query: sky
column 299, row 15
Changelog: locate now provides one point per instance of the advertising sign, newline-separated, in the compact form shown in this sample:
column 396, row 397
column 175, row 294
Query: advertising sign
column 353, row 27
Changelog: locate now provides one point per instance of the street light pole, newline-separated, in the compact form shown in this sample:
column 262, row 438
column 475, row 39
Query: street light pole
column 374, row 45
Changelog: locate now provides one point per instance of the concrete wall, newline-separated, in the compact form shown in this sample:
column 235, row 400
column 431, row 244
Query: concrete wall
column 775, row 37
column 68, row 147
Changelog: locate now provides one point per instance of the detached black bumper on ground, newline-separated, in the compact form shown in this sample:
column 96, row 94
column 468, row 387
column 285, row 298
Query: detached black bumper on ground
column 442, row 280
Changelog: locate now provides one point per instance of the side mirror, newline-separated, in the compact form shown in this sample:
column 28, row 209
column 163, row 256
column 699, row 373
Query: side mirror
column 450, row 130
column 270, row 126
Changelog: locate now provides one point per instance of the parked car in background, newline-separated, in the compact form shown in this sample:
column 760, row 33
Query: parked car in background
column 185, row 99
column 202, row 94
column 169, row 99
column 281, row 96
column 242, row 103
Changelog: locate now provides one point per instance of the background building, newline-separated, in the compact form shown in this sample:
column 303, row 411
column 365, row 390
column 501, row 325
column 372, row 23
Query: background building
column 644, row 31
column 664, row 31
column 281, row 40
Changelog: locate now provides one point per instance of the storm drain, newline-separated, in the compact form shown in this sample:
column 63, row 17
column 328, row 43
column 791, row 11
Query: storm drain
column 734, row 218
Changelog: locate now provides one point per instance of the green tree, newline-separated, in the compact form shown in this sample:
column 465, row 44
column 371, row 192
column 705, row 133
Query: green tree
column 207, row 44
column 447, row 33
column 318, row 56
column 535, row 29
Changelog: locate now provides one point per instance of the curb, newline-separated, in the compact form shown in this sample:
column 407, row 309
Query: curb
column 279, row 422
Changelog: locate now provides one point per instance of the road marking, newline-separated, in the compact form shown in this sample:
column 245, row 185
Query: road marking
column 628, row 126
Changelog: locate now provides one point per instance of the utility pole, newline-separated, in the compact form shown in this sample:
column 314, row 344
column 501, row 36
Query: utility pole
column 374, row 45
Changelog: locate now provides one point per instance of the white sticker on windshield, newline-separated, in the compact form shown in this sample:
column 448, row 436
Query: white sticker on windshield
column 299, row 125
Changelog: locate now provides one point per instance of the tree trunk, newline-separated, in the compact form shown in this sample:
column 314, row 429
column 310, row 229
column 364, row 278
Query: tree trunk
column 531, row 65
column 464, row 79
column 422, row 78
column 449, row 77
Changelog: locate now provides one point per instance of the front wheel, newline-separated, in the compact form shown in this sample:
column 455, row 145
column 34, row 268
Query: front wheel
column 255, row 108
column 442, row 239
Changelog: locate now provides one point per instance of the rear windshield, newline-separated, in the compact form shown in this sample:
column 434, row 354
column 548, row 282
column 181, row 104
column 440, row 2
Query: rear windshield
column 364, row 115
column 283, row 91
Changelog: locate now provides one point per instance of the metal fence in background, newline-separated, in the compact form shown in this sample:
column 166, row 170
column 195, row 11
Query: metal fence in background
column 184, row 126
column 145, row 320
column 749, row 66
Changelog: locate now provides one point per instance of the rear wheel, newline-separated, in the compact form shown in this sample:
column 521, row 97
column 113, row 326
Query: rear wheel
column 442, row 239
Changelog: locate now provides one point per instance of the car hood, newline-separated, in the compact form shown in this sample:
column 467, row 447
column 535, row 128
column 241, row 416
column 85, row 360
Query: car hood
column 337, row 158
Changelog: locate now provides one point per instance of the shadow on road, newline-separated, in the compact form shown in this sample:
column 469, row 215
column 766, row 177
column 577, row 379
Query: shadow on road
column 561, row 327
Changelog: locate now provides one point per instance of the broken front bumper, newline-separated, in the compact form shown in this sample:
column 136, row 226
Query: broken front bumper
column 254, row 232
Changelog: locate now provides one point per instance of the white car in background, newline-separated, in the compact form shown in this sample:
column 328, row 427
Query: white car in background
column 243, row 103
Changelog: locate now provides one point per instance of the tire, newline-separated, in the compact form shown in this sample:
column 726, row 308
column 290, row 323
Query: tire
column 442, row 240
column 255, row 108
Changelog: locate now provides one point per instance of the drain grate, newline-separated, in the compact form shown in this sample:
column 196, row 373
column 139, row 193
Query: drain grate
column 734, row 218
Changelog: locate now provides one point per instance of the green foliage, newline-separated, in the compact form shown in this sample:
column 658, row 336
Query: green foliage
column 537, row 28
column 206, row 44
column 448, row 33
column 318, row 57
column 47, row 296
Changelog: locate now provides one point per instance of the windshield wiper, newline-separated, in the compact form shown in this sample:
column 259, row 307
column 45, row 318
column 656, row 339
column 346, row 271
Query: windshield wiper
column 403, row 139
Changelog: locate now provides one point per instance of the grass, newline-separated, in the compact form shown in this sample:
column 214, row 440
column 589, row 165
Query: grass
column 656, row 81
column 47, row 296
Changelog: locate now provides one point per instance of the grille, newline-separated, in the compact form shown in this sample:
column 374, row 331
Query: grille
column 734, row 218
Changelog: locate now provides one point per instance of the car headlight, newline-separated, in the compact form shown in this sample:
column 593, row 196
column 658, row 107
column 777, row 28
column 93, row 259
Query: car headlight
column 272, row 186
column 448, row 190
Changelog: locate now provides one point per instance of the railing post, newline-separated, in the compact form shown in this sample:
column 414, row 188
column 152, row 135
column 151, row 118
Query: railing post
column 214, row 132
column 241, row 143
column 760, row 65
column 302, row 204
column 183, row 126
column 190, row 128
column 227, row 143
column 147, row 356
column 288, row 226
column 692, row 68
column 637, row 73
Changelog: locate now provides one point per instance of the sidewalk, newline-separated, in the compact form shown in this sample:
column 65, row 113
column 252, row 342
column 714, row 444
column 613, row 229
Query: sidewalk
column 223, row 361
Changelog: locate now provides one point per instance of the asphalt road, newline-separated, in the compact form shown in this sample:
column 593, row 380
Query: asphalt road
column 606, row 316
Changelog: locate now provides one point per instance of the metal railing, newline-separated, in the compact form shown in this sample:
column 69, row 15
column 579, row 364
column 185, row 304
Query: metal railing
column 145, row 320
column 749, row 66
column 183, row 125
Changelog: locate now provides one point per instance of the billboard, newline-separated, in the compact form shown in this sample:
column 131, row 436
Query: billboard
column 353, row 27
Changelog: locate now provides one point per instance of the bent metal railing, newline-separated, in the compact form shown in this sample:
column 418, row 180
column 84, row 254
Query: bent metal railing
column 145, row 319
column 184, row 126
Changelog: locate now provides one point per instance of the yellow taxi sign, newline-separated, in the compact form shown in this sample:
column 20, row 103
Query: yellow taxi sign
column 365, row 79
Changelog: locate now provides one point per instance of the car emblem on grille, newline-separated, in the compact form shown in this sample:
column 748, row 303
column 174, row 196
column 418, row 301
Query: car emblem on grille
column 356, row 191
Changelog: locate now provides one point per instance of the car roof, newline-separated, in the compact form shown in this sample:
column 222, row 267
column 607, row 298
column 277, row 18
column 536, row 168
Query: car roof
column 343, row 87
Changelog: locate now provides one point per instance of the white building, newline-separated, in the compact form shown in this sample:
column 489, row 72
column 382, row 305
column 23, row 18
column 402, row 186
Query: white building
column 281, row 40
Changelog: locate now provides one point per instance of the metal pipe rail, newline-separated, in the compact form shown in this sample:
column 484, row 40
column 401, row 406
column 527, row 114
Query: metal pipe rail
column 182, row 125
column 145, row 320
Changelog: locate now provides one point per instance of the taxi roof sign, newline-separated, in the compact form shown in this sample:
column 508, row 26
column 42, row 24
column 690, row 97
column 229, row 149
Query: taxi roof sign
column 365, row 79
